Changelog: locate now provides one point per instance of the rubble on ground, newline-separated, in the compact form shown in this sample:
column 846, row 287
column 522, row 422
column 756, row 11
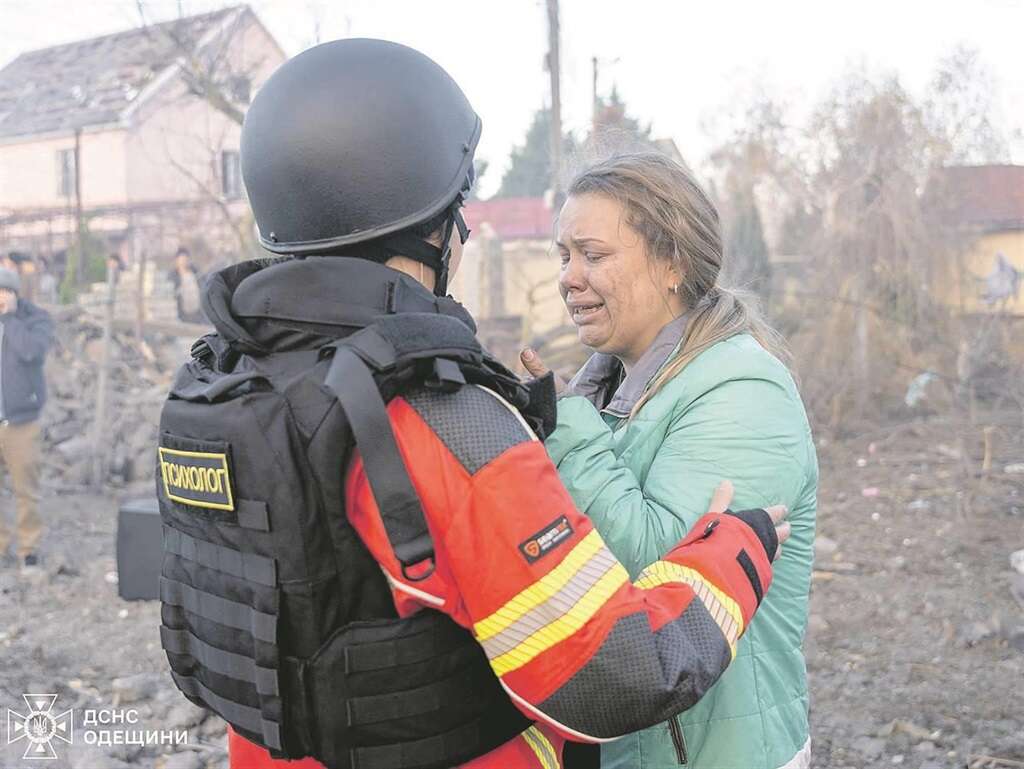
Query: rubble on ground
column 140, row 374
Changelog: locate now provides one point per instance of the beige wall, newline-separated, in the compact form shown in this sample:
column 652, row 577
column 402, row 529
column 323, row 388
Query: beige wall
column 30, row 173
column 176, row 140
column 531, row 285
column 169, row 150
column 173, row 152
column 464, row 285
column 530, row 288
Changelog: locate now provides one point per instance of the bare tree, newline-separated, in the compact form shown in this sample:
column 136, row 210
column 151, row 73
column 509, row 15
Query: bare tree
column 209, row 72
column 206, row 70
column 857, row 188
column 959, row 108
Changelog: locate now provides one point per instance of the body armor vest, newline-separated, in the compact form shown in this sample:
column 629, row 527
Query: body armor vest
column 274, row 615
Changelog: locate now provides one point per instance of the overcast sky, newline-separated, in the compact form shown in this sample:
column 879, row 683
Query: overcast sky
column 675, row 62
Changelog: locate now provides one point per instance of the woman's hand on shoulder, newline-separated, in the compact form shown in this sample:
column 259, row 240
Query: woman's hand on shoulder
column 535, row 366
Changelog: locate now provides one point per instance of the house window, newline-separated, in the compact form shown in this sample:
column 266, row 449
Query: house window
column 241, row 89
column 230, row 175
column 66, row 173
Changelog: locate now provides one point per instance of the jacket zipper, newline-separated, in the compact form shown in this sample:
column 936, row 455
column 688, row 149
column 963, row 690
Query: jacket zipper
column 676, row 730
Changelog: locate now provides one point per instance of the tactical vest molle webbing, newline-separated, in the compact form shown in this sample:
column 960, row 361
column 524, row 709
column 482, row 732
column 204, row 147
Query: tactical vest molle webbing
column 274, row 615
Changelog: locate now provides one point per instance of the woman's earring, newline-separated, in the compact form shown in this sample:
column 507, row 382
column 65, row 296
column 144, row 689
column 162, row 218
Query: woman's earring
column 675, row 289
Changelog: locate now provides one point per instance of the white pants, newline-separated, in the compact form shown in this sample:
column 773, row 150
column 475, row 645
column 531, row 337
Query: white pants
column 802, row 760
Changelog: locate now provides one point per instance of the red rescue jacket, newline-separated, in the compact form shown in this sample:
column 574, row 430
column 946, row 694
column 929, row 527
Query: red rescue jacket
column 578, row 647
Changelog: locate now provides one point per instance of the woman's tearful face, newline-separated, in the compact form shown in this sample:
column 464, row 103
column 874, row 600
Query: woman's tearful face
column 616, row 296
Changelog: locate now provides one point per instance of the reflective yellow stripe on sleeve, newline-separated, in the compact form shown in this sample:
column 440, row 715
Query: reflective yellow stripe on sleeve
column 553, row 608
column 722, row 608
column 542, row 748
column 542, row 590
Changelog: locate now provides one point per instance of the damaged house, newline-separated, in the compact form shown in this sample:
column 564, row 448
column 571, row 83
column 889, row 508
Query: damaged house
column 128, row 144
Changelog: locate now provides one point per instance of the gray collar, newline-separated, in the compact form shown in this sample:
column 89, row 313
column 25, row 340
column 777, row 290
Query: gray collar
column 601, row 379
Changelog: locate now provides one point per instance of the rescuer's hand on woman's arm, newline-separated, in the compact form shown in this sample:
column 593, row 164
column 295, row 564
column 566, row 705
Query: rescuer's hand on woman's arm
column 574, row 641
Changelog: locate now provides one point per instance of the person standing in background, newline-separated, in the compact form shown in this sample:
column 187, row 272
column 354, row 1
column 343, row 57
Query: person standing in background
column 26, row 332
column 115, row 265
column 47, row 285
column 185, row 278
column 25, row 267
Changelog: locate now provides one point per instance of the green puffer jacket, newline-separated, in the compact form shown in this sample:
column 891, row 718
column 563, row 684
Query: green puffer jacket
column 733, row 413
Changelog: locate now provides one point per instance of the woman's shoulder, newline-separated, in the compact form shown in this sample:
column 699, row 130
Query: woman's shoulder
column 738, row 382
column 740, row 358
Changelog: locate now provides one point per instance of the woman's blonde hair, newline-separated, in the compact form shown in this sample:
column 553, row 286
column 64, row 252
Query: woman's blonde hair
column 677, row 221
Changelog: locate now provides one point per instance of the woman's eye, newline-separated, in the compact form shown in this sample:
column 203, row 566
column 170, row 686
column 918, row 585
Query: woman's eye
column 593, row 257
column 564, row 259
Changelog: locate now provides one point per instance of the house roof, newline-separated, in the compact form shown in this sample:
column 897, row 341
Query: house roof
column 511, row 218
column 91, row 82
column 986, row 196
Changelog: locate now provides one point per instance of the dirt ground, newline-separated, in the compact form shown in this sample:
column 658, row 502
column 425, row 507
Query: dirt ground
column 916, row 648
column 916, row 654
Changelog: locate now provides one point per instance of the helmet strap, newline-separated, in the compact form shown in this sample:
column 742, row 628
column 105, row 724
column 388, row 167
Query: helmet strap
column 405, row 244
column 463, row 228
column 417, row 249
column 454, row 220
column 441, row 284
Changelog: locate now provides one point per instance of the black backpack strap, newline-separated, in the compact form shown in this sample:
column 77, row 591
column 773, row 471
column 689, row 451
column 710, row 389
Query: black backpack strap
column 352, row 382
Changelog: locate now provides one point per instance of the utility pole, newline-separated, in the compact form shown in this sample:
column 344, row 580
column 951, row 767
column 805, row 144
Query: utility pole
column 72, row 187
column 139, row 263
column 100, row 435
column 554, row 69
column 80, row 262
column 595, row 113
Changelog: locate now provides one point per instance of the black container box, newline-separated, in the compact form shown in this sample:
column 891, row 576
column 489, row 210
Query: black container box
column 139, row 549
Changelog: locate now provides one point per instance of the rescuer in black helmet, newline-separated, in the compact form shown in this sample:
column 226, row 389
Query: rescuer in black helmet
column 352, row 147
column 369, row 558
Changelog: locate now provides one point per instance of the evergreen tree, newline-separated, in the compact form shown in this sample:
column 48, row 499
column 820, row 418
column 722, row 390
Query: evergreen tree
column 529, row 170
column 480, row 166
column 746, row 253
column 613, row 125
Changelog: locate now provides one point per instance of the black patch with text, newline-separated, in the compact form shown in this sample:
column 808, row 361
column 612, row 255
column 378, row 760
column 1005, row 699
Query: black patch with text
column 198, row 478
column 546, row 540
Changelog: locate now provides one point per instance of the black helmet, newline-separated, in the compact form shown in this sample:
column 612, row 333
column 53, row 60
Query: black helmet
column 355, row 142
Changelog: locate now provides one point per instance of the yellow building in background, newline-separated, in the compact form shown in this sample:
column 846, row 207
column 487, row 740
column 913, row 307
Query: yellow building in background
column 509, row 282
column 987, row 204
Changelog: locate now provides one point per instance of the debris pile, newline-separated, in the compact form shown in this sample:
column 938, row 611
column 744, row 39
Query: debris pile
column 139, row 375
